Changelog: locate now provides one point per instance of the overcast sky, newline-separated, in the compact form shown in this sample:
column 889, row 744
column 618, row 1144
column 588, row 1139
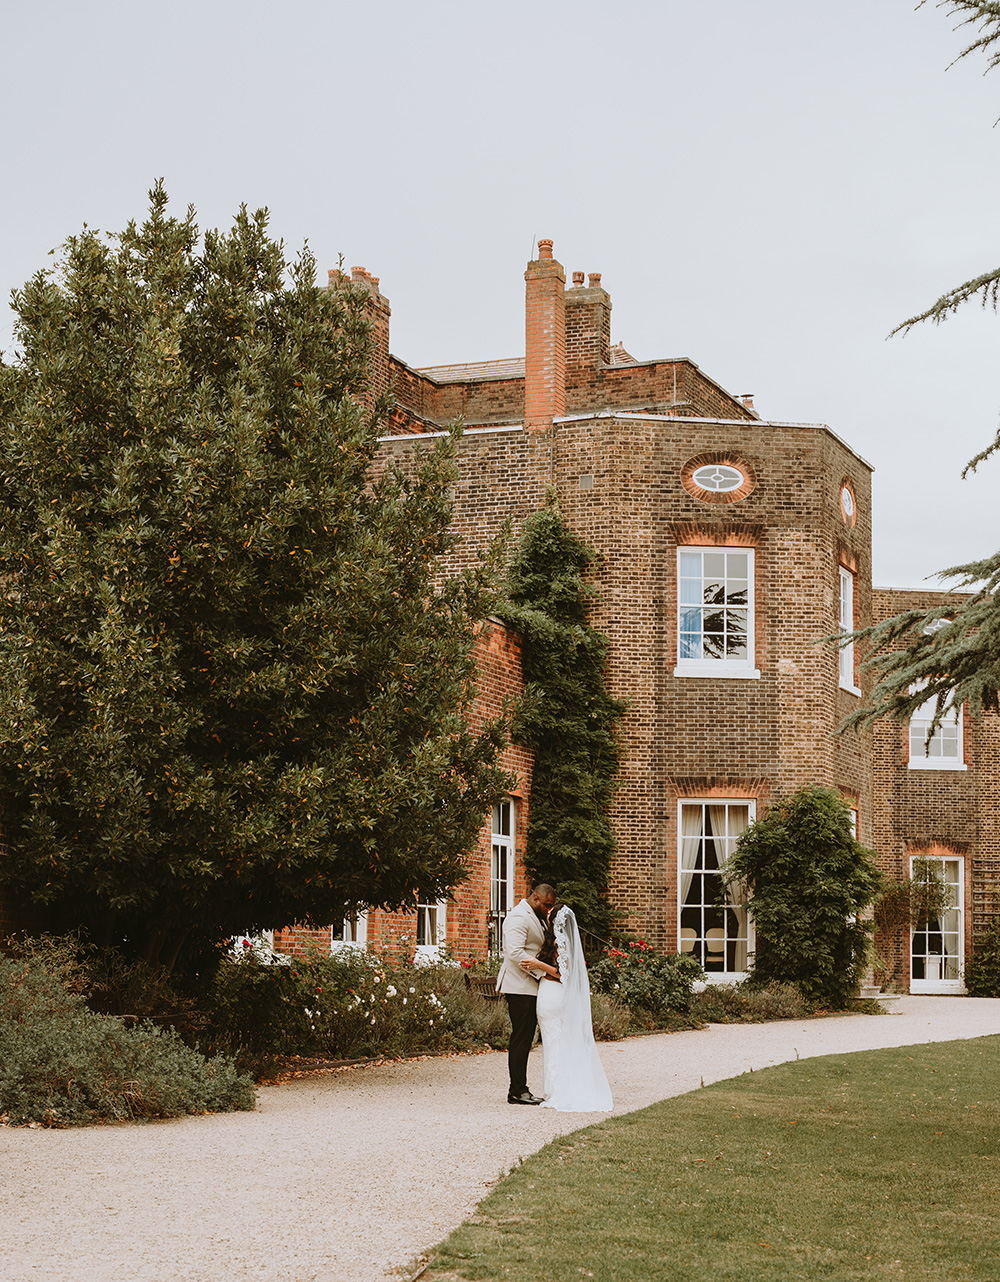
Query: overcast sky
column 767, row 186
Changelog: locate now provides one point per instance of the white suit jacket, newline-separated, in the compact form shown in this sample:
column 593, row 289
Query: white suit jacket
column 523, row 935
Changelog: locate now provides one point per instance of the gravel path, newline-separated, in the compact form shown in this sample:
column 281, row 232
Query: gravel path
column 344, row 1178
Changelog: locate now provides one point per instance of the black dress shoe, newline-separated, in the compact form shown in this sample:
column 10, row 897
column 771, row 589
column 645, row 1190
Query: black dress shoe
column 526, row 1098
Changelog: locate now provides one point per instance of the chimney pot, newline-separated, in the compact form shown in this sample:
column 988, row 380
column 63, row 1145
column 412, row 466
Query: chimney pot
column 578, row 278
column 545, row 249
column 747, row 399
column 595, row 280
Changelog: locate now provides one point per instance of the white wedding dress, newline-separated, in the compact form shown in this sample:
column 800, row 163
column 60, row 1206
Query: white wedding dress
column 575, row 1081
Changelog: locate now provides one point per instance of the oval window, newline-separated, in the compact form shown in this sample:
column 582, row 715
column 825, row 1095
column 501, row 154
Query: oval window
column 847, row 501
column 718, row 477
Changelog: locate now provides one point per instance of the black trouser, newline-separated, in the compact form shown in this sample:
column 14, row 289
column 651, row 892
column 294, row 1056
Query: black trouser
column 521, row 1008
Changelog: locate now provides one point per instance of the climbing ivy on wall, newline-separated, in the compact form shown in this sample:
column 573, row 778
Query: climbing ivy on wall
column 567, row 717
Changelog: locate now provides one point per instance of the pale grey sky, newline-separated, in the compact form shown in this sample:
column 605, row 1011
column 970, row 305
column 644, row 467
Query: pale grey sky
column 767, row 186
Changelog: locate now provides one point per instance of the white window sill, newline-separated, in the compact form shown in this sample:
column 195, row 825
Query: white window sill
column 428, row 954
column 719, row 979
column 850, row 689
column 732, row 671
column 929, row 764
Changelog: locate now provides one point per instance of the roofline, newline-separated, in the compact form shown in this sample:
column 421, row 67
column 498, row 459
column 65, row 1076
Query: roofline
column 637, row 418
column 725, row 422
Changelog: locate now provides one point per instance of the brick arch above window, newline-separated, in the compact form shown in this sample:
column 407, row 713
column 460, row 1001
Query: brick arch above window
column 721, row 459
column 732, row 534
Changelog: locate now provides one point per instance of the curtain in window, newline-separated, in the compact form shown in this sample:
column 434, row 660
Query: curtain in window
column 691, row 834
column 727, row 824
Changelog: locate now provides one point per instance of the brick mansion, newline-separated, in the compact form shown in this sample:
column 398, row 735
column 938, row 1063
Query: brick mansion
column 729, row 545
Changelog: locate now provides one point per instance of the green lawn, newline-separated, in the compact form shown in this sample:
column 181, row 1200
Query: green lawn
column 878, row 1165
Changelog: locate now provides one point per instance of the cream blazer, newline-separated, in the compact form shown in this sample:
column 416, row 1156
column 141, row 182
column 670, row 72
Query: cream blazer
column 523, row 936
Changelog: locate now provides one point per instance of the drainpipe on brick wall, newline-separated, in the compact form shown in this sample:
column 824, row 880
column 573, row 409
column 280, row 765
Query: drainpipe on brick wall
column 544, row 340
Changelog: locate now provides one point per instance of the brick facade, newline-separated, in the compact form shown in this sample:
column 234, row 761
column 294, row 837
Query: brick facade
column 622, row 461
column 946, row 814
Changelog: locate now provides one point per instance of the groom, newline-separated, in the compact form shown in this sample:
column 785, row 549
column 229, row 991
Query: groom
column 523, row 936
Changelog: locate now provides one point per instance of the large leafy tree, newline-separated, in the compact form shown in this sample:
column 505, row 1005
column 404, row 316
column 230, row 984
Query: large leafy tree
column 949, row 655
column 233, row 684
column 567, row 716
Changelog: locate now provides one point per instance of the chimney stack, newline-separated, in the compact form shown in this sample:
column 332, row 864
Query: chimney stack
column 544, row 340
column 377, row 311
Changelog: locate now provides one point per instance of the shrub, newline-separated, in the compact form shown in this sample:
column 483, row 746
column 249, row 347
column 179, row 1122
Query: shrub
column 611, row 1019
column 749, row 1004
column 62, row 1063
column 808, row 882
column 356, row 1005
column 982, row 974
column 351, row 1005
column 652, row 987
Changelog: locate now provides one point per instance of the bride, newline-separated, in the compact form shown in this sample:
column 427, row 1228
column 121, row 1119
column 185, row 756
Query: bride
column 575, row 1081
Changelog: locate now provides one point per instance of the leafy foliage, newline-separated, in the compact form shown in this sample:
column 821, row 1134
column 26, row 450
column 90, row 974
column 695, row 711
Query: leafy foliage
column 235, row 690
column 807, row 881
column 982, row 971
column 949, row 655
column 61, row 1063
column 747, row 1003
column 567, row 717
column 653, row 987
column 961, row 662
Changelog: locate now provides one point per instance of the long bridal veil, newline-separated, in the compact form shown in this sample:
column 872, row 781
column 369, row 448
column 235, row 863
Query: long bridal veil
column 581, row 1085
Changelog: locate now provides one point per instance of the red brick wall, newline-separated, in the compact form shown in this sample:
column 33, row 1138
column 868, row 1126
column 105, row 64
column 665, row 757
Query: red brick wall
column 954, row 814
column 695, row 736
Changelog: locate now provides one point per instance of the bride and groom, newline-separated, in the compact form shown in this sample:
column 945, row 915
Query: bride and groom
column 544, row 979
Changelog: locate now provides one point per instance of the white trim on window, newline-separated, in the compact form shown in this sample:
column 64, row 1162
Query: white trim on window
column 710, row 924
column 945, row 751
column 431, row 929
column 846, row 624
column 502, row 862
column 715, row 613
column 352, row 932
column 937, row 947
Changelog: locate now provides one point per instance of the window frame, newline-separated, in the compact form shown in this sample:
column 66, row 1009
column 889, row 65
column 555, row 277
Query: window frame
column 742, row 669
column 750, row 804
column 353, row 932
column 845, row 624
column 503, row 857
column 926, row 761
column 939, row 983
column 437, row 924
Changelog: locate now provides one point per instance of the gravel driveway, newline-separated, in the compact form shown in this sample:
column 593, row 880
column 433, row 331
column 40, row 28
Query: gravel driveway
column 344, row 1178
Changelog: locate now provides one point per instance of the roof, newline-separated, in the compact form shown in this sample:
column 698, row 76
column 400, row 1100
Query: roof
column 509, row 367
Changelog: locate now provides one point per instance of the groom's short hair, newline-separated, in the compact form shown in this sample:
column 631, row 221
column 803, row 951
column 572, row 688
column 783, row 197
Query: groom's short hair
column 544, row 891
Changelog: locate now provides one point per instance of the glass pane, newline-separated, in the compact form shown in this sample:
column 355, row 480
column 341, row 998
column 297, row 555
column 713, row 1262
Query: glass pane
column 737, row 563
column 715, row 565
column 736, row 593
column 691, row 565
column 691, row 590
